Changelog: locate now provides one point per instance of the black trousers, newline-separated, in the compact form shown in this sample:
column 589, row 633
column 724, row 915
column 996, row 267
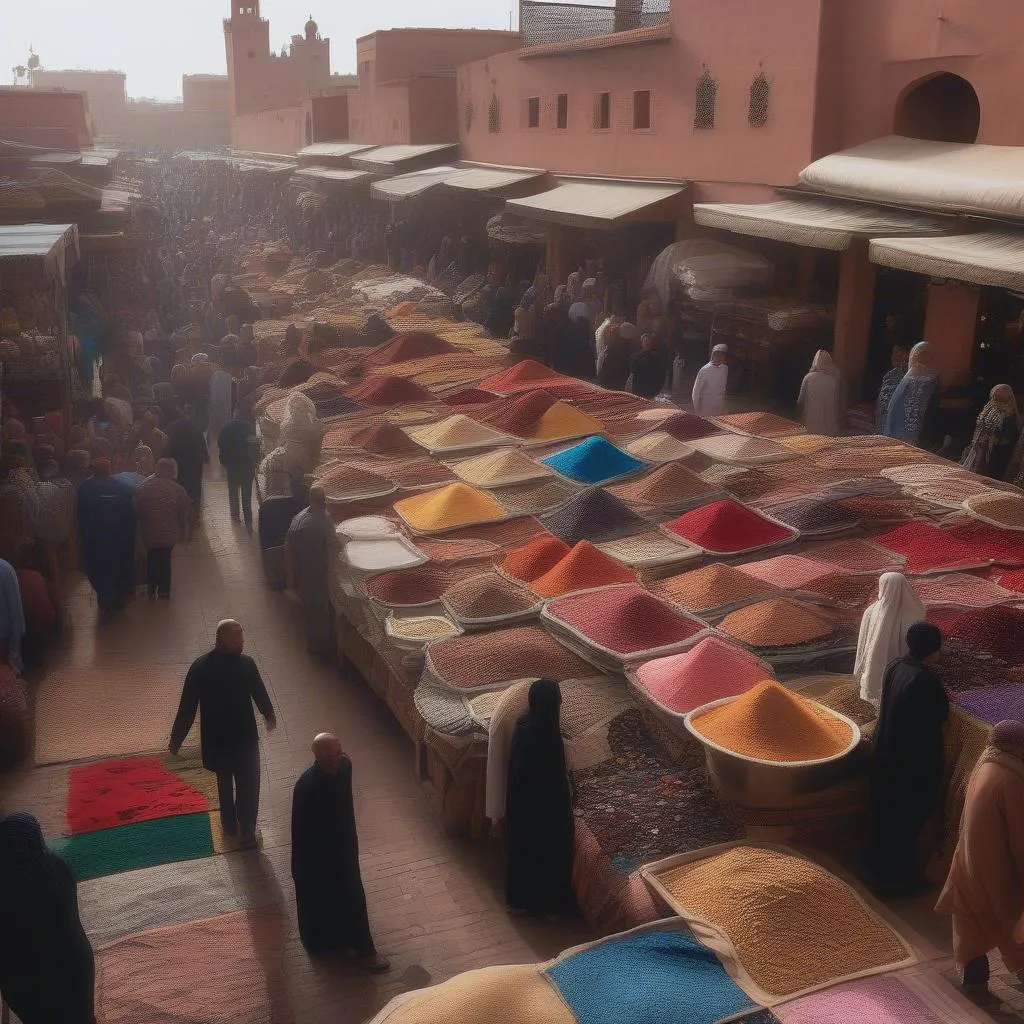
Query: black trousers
column 238, row 788
column 158, row 571
column 240, row 492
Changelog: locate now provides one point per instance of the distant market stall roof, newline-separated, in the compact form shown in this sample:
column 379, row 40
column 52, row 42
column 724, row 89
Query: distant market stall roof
column 992, row 258
column 332, row 177
column 397, row 159
column 48, row 249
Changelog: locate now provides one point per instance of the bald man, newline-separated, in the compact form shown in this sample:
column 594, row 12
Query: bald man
column 223, row 685
column 329, row 892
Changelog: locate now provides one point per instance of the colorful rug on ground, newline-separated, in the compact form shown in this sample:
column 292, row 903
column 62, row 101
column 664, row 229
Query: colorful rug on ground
column 128, row 790
column 138, row 845
column 226, row 969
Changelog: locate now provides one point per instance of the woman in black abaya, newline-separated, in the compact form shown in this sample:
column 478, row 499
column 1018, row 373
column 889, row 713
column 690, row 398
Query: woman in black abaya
column 47, row 973
column 539, row 820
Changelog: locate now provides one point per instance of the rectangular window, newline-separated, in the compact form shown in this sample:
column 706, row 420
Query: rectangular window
column 562, row 110
column 603, row 110
column 533, row 112
column 642, row 109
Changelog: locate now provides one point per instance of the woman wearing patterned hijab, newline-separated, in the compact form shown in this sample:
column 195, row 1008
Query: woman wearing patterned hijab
column 47, row 973
column 995, row 434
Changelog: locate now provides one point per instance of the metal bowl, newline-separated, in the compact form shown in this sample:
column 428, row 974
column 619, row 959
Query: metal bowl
column 753, row 782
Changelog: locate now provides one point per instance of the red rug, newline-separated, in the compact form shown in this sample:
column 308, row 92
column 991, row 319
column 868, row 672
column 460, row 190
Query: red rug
column 111, row 793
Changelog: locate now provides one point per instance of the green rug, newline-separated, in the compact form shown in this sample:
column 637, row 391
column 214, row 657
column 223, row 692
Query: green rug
column 109, row 851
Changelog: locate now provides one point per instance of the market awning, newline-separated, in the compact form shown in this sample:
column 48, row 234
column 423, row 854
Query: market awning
column 415, row 183
column 338, row 177
column 331, row 153
column 994, row 258
column 396, row 159
column 492, row 179
column 53, row 246
column 819, row 223
column 954, row 177
column 593, row 203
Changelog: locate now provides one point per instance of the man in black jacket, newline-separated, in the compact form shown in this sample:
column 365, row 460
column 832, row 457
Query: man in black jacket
column 223, row 685
column 329, row 893
column 239, row 452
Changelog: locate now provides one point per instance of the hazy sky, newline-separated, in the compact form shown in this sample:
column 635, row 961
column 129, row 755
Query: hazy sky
column 155, row 43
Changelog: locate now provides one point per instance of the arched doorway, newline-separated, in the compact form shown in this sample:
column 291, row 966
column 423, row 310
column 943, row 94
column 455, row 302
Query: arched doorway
column 940, row 108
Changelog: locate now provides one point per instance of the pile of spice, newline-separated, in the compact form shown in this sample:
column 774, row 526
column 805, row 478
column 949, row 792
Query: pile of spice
column 593, row 515
column 534, row 559
column 994, row 704
column 468, row 396
column 770, row 723
column 763, row 424
column 531, row 499
column 421, row 471
column 804, row 444
column 1004, row 547
column 996, row 631
column 858, row 556
column 919, row 475
column 641, row 806
column 455, row 432
column 593, row 461
column 672, row 487
column 658, row 446
column 414, row 345
column 711, row 670
column 515, row 415
column 1013, row 580
column 378, row 436
column 741, row 482
column 685, row 426
column 876, row 510
column 421, row 629
column 421, row 584
column 470, row 549
column 504, row 535
column 742, row 449
column 346, row 483
column 929, row 549
column 1004, row 510
column 962, row 590
column 816, row 518
column 624, row 621
column 963, row 667
column 778, row 622
column 526, row 375
column 846, row 699
column 793, row 925
column 846, row 589
column 728, row 528
column 488, row 596
column 448, row 507
column 883, row 999
column 485, row 661
column 789, row 572
column 652, row 549
column 581, row 568
column 714, row 588
column 561, row 422
column 389, row 391
column 500, row 468
column 951, row 492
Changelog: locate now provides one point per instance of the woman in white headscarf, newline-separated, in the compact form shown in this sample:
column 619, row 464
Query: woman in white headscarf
column 883, row 632
column 821, row 398
column 302, row 432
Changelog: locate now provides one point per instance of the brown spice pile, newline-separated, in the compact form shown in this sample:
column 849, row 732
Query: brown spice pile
column 488, row 595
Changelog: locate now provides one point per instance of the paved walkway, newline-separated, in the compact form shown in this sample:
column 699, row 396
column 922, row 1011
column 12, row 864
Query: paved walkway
column 435, row 903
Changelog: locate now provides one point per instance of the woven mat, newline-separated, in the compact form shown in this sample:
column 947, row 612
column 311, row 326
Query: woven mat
column 790, row 925
column 140, row 845
column 111, row 793
column 181, row 975
column 103, row 711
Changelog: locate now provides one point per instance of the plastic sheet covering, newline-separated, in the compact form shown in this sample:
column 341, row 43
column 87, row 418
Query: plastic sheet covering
column 707, row 270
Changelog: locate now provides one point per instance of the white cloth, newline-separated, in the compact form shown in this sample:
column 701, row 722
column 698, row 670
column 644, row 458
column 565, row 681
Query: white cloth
column 883, row 632
column 514, row 703
column 600, row 342
column 821, row 399
column 579, row 311
column 709, row 390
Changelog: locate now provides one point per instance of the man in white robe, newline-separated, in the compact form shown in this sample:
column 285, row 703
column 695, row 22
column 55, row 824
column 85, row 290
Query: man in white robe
column 710, row 383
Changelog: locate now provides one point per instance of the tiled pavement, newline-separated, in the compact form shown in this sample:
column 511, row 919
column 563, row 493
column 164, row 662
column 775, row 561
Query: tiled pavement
column 435, row 902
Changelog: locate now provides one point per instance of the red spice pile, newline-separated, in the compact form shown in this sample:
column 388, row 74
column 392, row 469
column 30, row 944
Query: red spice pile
column 625, row 619
column 389, row 391
column 687, row 427
column 582, row 568
column 381, row 437
column 517, row 415
column 727, row 527
column 1013, row 580
column 418, row 472
column 418, row 585
column 509, row 534
column 415, row 345
column 997, row 631
column 524, row 376
column 1005, row 547
column 535, row 558
column 926, row 548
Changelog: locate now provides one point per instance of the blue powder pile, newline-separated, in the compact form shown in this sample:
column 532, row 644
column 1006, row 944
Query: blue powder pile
column 593, row 461
column 649, row 978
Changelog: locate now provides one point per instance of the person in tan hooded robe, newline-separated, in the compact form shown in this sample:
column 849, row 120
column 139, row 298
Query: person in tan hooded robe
column 984, row 892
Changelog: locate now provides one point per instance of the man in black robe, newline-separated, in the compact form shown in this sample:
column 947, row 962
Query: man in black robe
column 187, row 446
column 329, row 892
column 223, row 685
column 106, row 533
column 908, row 759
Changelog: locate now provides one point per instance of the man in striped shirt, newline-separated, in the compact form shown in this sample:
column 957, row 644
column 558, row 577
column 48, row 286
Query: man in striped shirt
column 161, row 508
